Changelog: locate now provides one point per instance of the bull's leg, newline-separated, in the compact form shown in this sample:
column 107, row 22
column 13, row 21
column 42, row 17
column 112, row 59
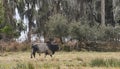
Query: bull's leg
column 39, row 54
column 51, row 55
column 46, row 53
column 45, row 56
column 33, row 53
column 53, row 52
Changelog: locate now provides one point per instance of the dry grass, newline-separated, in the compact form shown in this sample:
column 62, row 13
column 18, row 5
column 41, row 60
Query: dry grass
column 61, row 60
column 13, row 46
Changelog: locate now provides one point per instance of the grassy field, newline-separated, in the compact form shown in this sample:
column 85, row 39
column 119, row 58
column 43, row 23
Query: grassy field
column 61, row 60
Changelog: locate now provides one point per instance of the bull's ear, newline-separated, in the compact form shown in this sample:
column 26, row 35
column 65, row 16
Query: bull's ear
column 48, row 42
column 33, row 44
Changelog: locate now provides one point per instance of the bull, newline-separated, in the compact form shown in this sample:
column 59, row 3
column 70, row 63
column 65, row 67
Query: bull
column 46, row 48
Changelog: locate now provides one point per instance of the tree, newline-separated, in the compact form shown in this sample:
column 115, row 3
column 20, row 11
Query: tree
column 1, row 15
column 7, row 22
column 57, row 26
column 28, row 13
column 116, row 10
column 1, row 19
column 43, row 13
column 8, row 14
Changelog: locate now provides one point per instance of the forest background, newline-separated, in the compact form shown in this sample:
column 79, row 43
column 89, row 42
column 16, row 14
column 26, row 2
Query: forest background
column 94, row 24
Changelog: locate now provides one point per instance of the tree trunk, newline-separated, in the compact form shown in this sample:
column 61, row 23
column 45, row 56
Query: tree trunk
column 29, row 33
column 31, row 21
column 102, row 13
column 109, row 13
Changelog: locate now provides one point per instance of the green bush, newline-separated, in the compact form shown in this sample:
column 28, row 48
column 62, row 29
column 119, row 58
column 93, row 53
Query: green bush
column 83, row 31
column 57, row 25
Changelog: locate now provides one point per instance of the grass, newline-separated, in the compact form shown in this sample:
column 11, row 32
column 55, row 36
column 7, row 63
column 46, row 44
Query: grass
column 24, row 66
column 105, row 63
column 61, row 60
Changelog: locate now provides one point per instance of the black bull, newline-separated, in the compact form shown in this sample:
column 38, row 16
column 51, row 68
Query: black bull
column 47, row 48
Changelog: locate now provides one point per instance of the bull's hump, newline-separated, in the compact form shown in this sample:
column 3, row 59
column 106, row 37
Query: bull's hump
column 41, row 44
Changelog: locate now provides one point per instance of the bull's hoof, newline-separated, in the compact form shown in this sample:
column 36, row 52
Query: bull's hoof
column 51, row 55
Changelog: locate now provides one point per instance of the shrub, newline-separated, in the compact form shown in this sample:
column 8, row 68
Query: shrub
column 83, row 31
column 57, row 25
column 14, row 46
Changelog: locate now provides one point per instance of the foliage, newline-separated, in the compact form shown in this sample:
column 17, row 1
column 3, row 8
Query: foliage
column 57, row 25
column 7, row 30
column 81, row 31
column 61, row 18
